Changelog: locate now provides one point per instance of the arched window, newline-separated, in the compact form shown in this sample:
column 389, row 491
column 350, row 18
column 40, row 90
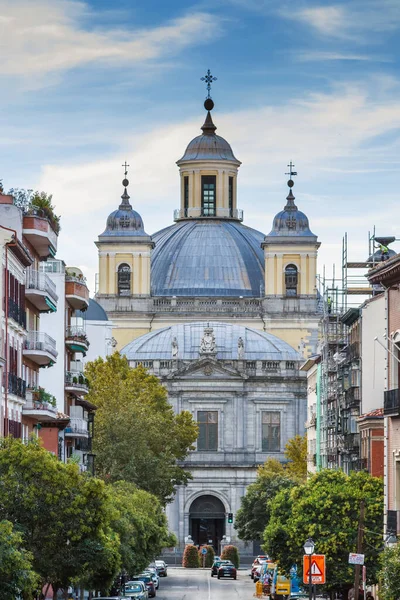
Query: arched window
column 124, row 280
column 291, row 280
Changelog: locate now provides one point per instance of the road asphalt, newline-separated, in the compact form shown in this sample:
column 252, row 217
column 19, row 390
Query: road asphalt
column 197, row 584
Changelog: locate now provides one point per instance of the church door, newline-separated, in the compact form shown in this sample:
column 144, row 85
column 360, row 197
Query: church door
column 207, row 521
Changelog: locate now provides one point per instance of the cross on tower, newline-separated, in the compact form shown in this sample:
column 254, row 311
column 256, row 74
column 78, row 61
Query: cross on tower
column 291, row 172
column 208, row 78
column 125, row 165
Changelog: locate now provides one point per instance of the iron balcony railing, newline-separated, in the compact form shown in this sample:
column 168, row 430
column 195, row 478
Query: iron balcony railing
column 76, row 379
column 391, row 403
column 77, row 333
column 17, row 312
column 40, row 341
column 16, row 385
column 40, row 281
column 193, row 213
column 77, row 425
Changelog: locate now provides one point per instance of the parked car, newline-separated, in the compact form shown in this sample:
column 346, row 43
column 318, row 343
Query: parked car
column 136, row 590
column 256, row 569
column 227, row 571
column 148, row 582
column 216, row 565
column 154, row 575
column 161, row 567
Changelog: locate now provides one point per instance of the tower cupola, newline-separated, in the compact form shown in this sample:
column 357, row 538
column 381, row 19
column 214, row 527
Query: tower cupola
column 208, row 171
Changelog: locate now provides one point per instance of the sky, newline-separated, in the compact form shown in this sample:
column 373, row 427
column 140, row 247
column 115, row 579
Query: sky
column 88, row 85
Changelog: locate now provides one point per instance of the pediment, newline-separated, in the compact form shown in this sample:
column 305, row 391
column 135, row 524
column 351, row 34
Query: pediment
column 206, row 368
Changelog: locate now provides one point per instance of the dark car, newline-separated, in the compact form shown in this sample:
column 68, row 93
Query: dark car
column 227, row 571
column 216, row 565
column 148, row 582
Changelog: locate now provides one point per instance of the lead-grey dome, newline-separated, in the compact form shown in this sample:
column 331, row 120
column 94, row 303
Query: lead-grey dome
column 124, row 222
column 94, row 312
column 207, row 258
column 258, row 345
column 208, row 146
column 291, row 221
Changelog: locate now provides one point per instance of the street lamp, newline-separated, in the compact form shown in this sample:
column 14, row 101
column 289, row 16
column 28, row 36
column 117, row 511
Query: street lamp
column 309, row 550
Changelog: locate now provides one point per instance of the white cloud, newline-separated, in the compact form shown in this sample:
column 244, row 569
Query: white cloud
column 48, row 36
column 325, row 134
column 316, row 55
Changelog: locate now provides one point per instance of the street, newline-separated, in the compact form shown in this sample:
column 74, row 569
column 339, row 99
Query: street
column 197, row 584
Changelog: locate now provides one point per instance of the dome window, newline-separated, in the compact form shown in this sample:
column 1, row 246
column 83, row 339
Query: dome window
column 124, row 280
column 291, row 280
column 208, row 195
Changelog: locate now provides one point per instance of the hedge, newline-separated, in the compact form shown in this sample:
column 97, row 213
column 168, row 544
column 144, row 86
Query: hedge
column 190, row 558
column 231, row 553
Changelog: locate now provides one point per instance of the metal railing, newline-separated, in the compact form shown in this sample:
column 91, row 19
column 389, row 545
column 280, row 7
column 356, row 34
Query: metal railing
column 391, row 402
column 246, row 305
column 40, row 341
column 76, row 379
column 77, row 333
column 193, row 213
column 77, row 425
column 37, row 405
column 16, row 385
column 40, row 281
column 17, row 312
column 75, row 279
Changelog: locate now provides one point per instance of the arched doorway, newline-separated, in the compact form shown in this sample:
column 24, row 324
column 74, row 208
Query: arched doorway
column 207, row 521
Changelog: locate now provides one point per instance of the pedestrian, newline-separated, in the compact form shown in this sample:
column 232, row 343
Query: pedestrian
column 329, row 304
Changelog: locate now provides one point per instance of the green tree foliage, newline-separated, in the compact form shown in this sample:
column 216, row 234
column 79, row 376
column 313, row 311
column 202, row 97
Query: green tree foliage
column 326, row 508
column 190, row 558
column 138, row 438
column 61, row 514
column 389, row 574
column 141, row 525
column 254, row 513
column 16, row 573
column 37, row 202
column 231, row 553
column 296, row 455
column 209, row 557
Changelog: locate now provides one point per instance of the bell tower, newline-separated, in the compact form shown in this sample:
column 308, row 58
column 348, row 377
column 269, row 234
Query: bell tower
column 124, row 252
column 290, row 252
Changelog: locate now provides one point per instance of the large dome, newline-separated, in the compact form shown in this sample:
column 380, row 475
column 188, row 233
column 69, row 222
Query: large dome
column 207, row 258
column 258, row 345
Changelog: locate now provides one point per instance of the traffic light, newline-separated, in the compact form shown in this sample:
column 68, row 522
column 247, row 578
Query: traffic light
column 230, row 517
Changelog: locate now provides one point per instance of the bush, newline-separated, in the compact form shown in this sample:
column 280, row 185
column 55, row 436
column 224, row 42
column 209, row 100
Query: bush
column 209, row 557
column 231, row 553
column 191, row 557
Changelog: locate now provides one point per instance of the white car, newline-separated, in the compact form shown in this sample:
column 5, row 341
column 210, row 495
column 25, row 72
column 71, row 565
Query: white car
column 154, row 574
column 161, row 567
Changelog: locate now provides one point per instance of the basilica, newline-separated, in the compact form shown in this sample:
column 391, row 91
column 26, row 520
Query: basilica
column 224, row 315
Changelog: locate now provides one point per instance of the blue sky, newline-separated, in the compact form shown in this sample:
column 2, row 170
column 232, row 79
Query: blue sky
column 86, row 85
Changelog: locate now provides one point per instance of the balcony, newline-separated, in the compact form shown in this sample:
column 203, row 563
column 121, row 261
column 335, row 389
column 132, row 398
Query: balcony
column 76, row 292
column 17, row 313
column 76, row 340
column 352, row 397
column 16, row 386
column 77, row 428
column 38, row 409
column 40, row 234
column 352, row 442
column 391, row 403
column 76, row 382
column 40, row 348
column 40, row 290
column 197, row 213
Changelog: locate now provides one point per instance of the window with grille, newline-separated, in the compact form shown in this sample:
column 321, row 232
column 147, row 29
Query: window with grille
column 186, row 195
column 208, row 195
column 271, row 431
column 124, row 280
column 207, row 422
column 291, row 280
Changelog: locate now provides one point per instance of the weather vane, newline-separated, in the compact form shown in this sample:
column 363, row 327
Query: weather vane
column 208, row 78
column 291, row 172
column 125, row 165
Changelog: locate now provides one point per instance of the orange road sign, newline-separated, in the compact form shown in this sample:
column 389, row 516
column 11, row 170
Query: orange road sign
column 317, row 568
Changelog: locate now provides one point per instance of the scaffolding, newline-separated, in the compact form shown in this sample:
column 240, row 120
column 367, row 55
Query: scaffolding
column 340, row 300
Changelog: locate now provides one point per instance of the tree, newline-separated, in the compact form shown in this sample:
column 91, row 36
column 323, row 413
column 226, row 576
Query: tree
column 41, row 202
column 141, row 525
column 138, row 439
column 326, row 508
column 60, row 512
column 296, row 454
column 254, row 512
column 16, row 574
column 389, row 574
column 231, row 553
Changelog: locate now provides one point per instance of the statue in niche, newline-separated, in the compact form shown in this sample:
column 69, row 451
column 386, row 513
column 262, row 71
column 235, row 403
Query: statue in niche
column 240, row 349
column 175, row 348
column 207, row 344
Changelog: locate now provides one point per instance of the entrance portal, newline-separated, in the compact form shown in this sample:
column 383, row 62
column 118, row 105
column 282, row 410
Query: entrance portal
column 207, row 521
